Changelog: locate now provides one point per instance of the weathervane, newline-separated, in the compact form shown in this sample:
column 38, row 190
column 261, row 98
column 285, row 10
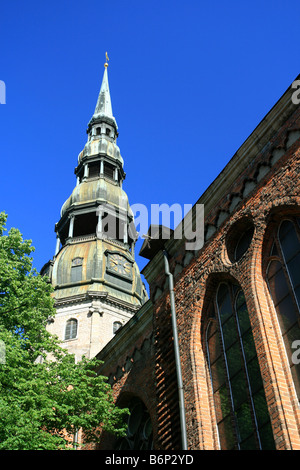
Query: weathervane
column 107, row 59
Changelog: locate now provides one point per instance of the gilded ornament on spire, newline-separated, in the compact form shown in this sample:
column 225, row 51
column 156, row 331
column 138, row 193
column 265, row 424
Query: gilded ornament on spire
column 107, row 59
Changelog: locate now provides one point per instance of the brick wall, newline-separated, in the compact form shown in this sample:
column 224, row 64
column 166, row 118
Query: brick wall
column 273, row 190
column 266, row 188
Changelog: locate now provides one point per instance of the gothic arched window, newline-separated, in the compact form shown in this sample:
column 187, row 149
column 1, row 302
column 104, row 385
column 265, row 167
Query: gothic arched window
column 71, row 329
column 283, row 278
column 139, row 430
column 240, row 403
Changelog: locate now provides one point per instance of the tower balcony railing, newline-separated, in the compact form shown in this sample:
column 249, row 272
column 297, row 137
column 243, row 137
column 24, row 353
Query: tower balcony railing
column 93, row 236
column 81, row 238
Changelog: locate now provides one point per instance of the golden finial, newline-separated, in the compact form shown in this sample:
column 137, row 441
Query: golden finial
column 107, row 59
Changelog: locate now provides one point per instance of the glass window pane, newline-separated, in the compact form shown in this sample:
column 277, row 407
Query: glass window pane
column 239, row 389
column 240, row 299
column 234, row 359
column 288, row 239
column 135, row 418
column 249, row 346
column 254, row 375
column 285, row 227
column 71, row 329
column 243, row 317
column 222, row 403
column 261, row 409
column 273, row 267
column 230, row 334
column 267, row 438
column 243, row 243
column 287, row 314
column 224, row 303
column 226, row 434
column 212, row 328
column 278, row 285
column 218, row 373
column 245, row 422
column 294, row 269
column 214, row 347
column 249, row 444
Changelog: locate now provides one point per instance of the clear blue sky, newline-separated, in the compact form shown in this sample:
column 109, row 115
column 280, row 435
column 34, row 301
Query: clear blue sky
column 189, row 82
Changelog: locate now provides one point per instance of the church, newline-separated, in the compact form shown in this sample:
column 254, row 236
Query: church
column 209, row 360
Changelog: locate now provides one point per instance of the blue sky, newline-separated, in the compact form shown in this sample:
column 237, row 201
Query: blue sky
column 189, row 82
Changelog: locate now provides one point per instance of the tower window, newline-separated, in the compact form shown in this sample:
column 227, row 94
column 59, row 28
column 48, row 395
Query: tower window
column 94, row 169
column 109, row 171
column 98, row 131
column 116, row 326
column 107, row 131
column 76, row 270
column 71, row 329
column 85, row 224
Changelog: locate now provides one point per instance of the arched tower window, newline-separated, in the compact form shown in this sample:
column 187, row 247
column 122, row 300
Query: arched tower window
column 240, row 404
column 116, row 326
column 71, row 329
column 283, row 278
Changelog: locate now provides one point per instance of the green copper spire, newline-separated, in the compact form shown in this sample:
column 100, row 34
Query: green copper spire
column 103, row 108
column 103, row 105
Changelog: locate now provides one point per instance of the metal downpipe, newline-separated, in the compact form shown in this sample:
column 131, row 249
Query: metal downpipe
column 177, row 355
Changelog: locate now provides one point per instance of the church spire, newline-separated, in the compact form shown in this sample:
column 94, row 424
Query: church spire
column 103, row 107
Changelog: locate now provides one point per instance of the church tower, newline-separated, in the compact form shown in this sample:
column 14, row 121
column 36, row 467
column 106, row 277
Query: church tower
column 97, row 283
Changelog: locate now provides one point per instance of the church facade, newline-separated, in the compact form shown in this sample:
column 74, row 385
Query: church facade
column 236, row 298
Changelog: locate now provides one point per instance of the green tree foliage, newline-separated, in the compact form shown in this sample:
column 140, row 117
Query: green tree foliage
column 42, row 399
